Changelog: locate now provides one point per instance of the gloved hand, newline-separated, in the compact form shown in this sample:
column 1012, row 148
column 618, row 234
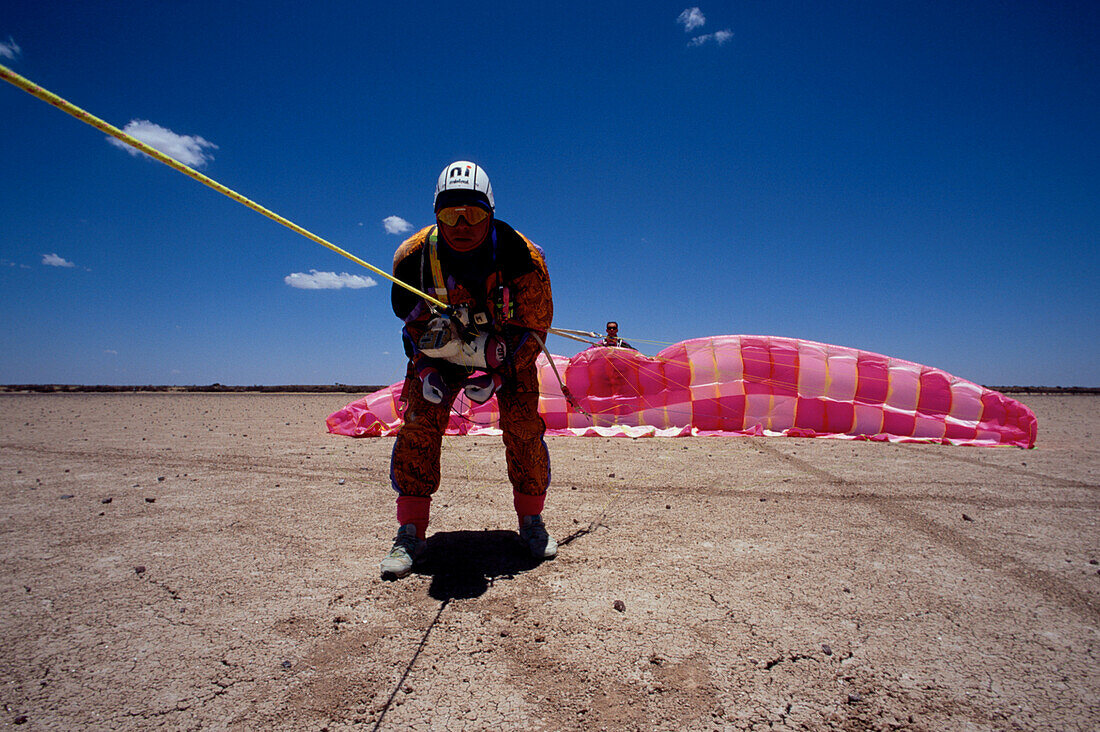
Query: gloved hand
column 481, row 388
column 433, row 386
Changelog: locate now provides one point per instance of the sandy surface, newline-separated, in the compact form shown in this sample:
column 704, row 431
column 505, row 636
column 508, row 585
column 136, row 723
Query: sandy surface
column 193, row 562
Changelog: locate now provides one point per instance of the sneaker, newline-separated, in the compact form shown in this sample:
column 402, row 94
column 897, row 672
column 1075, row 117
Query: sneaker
column 407, row 548
column 533, row 534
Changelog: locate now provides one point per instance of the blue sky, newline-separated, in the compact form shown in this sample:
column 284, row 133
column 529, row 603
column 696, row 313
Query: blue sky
column 915, row 179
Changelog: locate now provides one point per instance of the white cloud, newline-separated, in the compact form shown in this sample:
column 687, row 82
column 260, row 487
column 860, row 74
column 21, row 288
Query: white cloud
column 10, row 49
column 110, row 351
column 187, row 149
column 691, row 19
column 720, row 37
column 327, row 280
column 396, row 225
column 55, row 261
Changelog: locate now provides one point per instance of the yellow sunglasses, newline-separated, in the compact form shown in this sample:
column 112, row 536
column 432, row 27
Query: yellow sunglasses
column 474, row 215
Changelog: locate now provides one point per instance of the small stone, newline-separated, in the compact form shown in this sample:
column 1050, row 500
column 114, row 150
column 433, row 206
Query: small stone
column 826, row 649
column 341, row 481
column 668, row 506
column 540, row 639
column 967, row 518
column 854, row 698
column 286, row 664
column 65, row 496
column 1093, row 561
column 610, row 475
column 140, row 569
column 105, row 500
column 150, row 499
column 21, row 719
column 160, row 478
column 620, row 606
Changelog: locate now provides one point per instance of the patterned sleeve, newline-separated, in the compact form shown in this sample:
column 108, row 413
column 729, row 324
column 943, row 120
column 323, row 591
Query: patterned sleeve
column 409, row 307
column 534, row 309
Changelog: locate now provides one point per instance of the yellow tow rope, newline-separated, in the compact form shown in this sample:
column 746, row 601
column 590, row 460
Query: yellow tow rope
column 31, row 88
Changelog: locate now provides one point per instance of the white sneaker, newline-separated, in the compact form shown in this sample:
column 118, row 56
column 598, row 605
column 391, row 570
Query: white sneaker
column 533, row 534
column 407, row 548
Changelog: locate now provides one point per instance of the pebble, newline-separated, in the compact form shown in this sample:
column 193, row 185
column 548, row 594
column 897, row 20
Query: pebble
column 826, row 649
column 967, row 518
column 286, row 664
column 620, row 606
column 854, row 698
column 1093, row 561
column 21, row 719
column 150, row 499
column 63, row 496
column 341, row 481
column 160, row 478
column 140, row 569
column 105, row 500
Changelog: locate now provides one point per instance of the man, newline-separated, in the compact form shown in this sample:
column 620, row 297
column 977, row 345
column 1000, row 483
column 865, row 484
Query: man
column 612, row 338
column 496, row 284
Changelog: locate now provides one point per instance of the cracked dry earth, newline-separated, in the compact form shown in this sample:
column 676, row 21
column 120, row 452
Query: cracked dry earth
column 195, row 561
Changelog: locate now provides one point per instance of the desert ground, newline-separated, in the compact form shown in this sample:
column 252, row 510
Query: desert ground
column 189, row 561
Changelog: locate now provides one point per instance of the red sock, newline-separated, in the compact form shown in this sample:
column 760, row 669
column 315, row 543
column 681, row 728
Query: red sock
column 527, row 505
column 414, row 510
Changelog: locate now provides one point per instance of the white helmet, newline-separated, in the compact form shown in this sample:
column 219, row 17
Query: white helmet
column 468, row 181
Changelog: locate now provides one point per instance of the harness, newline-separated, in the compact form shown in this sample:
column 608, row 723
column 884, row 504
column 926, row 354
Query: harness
column 500, row 298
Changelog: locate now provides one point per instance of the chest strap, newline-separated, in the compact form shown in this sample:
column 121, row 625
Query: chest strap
column 432, row 252
column 503, row 301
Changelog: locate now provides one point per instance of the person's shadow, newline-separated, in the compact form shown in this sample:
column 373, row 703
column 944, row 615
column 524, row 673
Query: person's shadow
column 464, row 564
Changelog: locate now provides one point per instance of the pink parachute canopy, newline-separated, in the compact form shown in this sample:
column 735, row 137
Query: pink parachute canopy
column 738, row 385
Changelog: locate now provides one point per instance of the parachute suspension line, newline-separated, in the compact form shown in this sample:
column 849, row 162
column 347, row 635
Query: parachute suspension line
column 562, row 331
column 50, row 98
column 573, row 335
column 564, row 389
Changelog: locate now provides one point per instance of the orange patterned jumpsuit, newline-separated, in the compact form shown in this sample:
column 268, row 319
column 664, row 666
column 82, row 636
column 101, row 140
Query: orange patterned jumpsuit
column 503, row 281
